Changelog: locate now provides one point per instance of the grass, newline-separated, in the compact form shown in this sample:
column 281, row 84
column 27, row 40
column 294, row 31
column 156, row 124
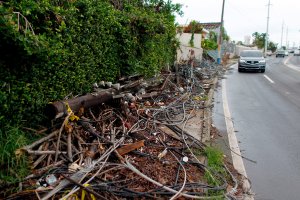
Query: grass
column 12, row 168
column 215, row 164
column 214, row 158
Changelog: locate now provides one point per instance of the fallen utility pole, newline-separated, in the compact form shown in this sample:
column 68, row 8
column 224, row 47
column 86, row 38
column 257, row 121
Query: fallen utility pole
column 58, row 108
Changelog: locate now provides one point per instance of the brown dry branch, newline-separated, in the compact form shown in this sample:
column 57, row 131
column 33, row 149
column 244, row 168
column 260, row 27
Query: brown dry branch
column 38, row 142
column 70, row 146
column 59, row 135
column 132, row 150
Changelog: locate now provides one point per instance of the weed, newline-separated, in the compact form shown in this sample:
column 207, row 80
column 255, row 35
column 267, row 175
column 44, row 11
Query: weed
column 197, row 152
column 215, row 164
column 13, row 168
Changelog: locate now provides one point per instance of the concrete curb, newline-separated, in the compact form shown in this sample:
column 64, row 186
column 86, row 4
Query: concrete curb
column 207, row 113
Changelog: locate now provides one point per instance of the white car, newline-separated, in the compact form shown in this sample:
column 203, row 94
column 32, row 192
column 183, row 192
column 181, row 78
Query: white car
column 297, row 52
column 280, row 53
column 286, row 53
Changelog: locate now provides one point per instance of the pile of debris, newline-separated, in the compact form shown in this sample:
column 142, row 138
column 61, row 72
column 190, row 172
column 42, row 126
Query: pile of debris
column 126, row 140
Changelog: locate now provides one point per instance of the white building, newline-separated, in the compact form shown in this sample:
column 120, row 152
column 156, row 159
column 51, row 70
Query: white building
column 186, row 49
column 247, row 40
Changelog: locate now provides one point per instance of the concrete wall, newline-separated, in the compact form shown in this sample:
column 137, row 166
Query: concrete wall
column 234, row 50
column 183, row 53
column 239, row 48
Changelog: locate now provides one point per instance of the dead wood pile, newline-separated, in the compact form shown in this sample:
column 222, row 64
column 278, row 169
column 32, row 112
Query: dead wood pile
column 132, row 146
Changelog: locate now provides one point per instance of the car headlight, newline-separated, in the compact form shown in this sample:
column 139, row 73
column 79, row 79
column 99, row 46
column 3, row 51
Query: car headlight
column 262, row 61
column 242, row 61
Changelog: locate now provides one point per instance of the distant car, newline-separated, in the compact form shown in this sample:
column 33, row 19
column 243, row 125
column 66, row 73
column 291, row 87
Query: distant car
column 252, row 60
column 286, row 53
column 297, row 52
column 280, row 53
column 269, row 53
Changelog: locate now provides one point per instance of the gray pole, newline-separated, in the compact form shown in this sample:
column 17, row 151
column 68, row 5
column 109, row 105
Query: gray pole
column 220, row 35
column 267, row 32
column 286, row 37
column 281, row 34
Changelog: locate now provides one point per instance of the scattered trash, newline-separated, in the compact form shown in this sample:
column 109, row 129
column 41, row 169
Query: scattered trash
column 117, row 147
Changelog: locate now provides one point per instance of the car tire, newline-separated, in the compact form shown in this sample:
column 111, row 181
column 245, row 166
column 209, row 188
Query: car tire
column 240, row 70
column 262, row 70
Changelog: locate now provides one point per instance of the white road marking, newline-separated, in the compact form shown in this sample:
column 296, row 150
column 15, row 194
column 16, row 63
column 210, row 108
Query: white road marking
column 233, row 142
column 291, row 65
column 268, row 79
column 286, row 60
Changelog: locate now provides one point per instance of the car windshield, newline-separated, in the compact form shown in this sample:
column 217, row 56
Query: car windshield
column 251, row 54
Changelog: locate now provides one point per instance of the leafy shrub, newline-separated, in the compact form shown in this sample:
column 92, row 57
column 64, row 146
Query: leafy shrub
column 73, row 44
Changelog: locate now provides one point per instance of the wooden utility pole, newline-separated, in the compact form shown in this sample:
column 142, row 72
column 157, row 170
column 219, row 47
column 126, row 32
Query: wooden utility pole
column 267, row 32
column 281, row 34
column 220, row 35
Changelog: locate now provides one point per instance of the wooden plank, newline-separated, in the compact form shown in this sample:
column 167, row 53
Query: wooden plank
column 130, row 147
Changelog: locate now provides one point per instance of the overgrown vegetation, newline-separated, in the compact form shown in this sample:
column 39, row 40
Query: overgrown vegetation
column 214, row 162
column 193, row 27
column 12, row 167
column 211, row 42
column 71, row 45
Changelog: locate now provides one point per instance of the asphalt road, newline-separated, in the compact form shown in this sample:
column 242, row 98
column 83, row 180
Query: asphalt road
column 265, row 108
column 295, row 60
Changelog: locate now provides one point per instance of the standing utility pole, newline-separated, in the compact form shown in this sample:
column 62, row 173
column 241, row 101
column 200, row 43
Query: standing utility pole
column 286, row 38
column 282, row 34
column 220, row 35
column 267, row 32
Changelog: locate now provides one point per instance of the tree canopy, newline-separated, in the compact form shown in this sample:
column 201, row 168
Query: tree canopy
column 259, row 40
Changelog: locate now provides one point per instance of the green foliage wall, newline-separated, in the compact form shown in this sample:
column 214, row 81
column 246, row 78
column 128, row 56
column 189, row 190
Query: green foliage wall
column 76, row 43
column 72, row 44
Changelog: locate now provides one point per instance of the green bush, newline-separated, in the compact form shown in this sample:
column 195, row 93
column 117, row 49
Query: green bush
column 73, row 44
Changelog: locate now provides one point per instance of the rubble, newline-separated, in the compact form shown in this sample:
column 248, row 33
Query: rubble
column 131, row 144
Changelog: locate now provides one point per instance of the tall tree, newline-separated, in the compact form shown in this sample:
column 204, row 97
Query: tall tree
column 259, row 39
column 272, row 46
column 225, row 35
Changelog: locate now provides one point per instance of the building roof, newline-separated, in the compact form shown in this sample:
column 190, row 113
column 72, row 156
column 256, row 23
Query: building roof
column 211, row 25
column 204, row 30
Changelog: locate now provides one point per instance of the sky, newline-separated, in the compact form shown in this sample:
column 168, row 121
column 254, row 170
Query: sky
column 244, row 17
